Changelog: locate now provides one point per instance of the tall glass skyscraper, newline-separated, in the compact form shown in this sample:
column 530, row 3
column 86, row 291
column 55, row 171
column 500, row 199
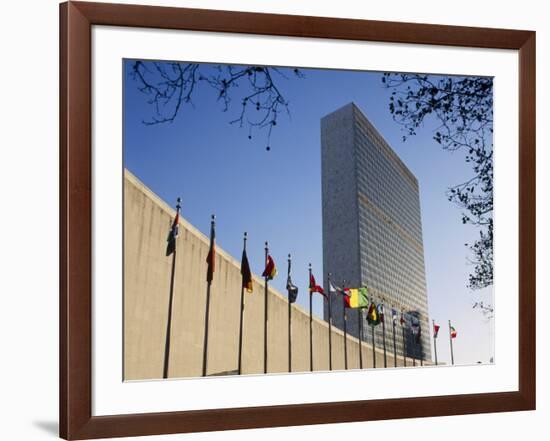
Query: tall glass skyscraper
column 372, row 231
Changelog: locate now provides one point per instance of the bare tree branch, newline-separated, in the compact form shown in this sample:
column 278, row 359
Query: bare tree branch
column 172, row 85
column 464, row 108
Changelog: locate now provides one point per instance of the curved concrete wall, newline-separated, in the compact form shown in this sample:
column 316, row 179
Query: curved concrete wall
column 146, row 292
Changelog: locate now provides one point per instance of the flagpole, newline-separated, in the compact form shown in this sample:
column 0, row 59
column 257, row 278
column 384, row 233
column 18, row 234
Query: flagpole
column 394, row 342
column 384, row 333
column 207, row 309
column 266, row 287
column 239, row 369
column 373, row 348
column 435, row 342
column 373, row 336
column 360, row 326
column 310, row 324
column 419, row 343
column 170, row 305
column 345, row 326
column 451, row 341
column 404, row 340
column 289, row 323
column 329, row 300
column 413, row 342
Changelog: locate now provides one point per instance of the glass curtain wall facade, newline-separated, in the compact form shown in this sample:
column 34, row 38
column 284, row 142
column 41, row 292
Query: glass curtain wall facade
column 372, row 231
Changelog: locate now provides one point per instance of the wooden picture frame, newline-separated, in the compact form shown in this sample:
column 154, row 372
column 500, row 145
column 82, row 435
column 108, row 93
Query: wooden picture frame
column 76, row 238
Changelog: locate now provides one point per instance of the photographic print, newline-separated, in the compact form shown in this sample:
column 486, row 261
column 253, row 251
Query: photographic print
column 290, row 219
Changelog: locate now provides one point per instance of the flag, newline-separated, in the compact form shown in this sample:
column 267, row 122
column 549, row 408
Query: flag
column 211, row 258
column 270, row 270
column 347, row 303
column 172, row 234
column 313, row 287
column 292, row 290
column 358, row 298
column 381, row 311
column 394, row 316
column 343, row 291
column 245, row 273
column 372, row 315
column 453, row 332
column 436, row 330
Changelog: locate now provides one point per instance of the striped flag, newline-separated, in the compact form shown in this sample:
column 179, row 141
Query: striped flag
column 372, row 315
column 246, row 273
column 292, row 290
column 270, row 270
column 211, row 258
column 381, row 311
column 313, row 287
column 358, row 297
column 347, row 298
column 394, row 316
column 345, row 292
column 453, row 332
column 436, row 330
column 172, row 235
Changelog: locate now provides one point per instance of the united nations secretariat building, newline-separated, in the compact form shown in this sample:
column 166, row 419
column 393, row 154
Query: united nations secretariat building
column 372, row 231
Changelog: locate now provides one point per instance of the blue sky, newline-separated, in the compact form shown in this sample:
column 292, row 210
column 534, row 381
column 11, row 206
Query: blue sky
column 276, row 195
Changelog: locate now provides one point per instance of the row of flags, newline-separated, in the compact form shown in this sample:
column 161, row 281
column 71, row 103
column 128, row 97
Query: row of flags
column 353, row 298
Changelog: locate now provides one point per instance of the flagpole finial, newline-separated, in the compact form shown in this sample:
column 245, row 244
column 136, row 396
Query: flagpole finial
column 245, row 235
column 289, row 257
column 329, row 274
column 178, row 203
column 266, row 244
